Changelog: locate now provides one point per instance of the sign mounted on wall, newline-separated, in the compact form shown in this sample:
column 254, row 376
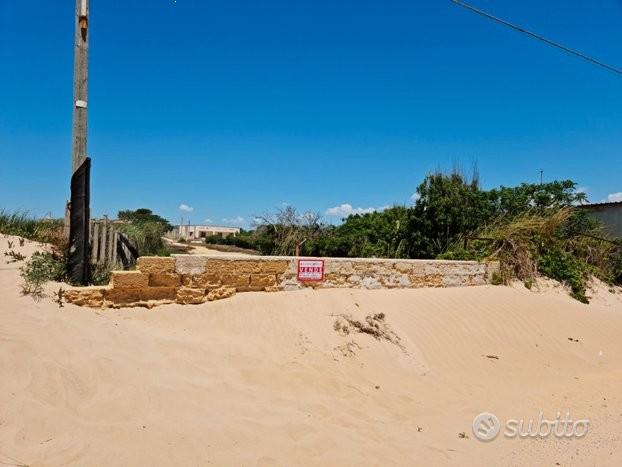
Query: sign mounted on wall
column 310, row 270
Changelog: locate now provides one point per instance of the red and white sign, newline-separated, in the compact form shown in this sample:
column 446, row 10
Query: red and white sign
column 310, row 270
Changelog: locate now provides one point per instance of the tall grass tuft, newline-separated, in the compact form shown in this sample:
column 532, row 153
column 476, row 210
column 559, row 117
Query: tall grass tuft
column 146, row 237
column 21, row 224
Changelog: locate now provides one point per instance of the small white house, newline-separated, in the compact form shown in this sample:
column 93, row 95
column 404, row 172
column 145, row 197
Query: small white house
column 194, row 232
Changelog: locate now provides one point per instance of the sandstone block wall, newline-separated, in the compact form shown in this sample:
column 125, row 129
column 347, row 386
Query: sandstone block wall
column 189, row 279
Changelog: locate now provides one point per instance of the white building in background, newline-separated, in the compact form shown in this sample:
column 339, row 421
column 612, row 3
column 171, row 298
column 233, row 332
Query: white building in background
column 197, row 232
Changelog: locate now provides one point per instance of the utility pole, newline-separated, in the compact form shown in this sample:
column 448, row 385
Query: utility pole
column 80, row 84
column 79, row 207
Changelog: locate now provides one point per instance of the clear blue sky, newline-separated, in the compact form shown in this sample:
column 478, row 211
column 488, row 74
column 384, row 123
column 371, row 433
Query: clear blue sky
column 234, row 107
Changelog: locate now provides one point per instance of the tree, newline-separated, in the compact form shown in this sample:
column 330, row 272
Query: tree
column 535, row 197
column 142, row 215
column 448, row 206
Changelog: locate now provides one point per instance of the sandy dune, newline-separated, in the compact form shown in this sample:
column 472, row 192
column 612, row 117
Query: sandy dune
column 265, row 379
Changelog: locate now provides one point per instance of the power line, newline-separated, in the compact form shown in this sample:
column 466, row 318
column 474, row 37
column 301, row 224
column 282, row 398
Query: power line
column 568, row 50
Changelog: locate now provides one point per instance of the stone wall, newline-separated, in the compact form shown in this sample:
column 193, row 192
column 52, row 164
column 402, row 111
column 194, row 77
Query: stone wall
column 190, row 279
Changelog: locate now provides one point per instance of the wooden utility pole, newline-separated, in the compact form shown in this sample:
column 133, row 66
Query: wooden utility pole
column 79, row 207
column 80, row 84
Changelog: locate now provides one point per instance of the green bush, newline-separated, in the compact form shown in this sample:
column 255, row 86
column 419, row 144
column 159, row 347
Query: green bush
column 101, row 273
column 497, row 278
column 41, row 268
column 568, row 269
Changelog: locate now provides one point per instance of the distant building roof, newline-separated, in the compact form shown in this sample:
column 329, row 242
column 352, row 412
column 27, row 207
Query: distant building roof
column 603, row 204
column 214, row 227
column 224, row 228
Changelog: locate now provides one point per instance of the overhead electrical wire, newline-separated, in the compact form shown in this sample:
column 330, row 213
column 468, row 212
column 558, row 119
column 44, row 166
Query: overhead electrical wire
column 534, row 35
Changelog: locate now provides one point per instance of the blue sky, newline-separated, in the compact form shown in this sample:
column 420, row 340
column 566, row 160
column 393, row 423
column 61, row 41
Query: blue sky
column 232, row 108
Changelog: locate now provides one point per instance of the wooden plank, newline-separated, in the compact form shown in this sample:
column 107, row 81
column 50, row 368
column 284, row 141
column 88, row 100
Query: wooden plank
column 91, row 239
column 95, row 243
column 111, row 239
column 114, row 247
column 102, row 238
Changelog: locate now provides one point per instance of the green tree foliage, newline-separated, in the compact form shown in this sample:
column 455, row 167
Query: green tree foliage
column 143, row 215
column 449, row 207
column 535, row 197
column 377, row 234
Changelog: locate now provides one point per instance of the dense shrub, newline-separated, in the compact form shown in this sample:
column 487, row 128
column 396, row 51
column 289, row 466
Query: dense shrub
column 376, row 234
column 250, row 240
column 101, row 273
column 568, row 269
column 449, row 207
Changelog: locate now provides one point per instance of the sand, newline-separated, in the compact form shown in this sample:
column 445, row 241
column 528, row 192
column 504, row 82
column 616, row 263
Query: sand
column 265, row 379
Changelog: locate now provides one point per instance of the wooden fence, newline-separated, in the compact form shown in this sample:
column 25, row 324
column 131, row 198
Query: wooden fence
column 109, row 245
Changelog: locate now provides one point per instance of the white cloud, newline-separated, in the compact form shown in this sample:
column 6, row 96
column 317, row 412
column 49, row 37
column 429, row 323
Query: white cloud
column 615, row 197
column 345, row 210
column 208, row 221
column 239, row 220
column 415, row 197
column 581, row 189
column 185, row 208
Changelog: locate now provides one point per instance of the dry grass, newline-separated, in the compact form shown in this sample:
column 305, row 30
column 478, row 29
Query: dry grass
column 21, row 224
column 374, row 325
column 515, row 244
